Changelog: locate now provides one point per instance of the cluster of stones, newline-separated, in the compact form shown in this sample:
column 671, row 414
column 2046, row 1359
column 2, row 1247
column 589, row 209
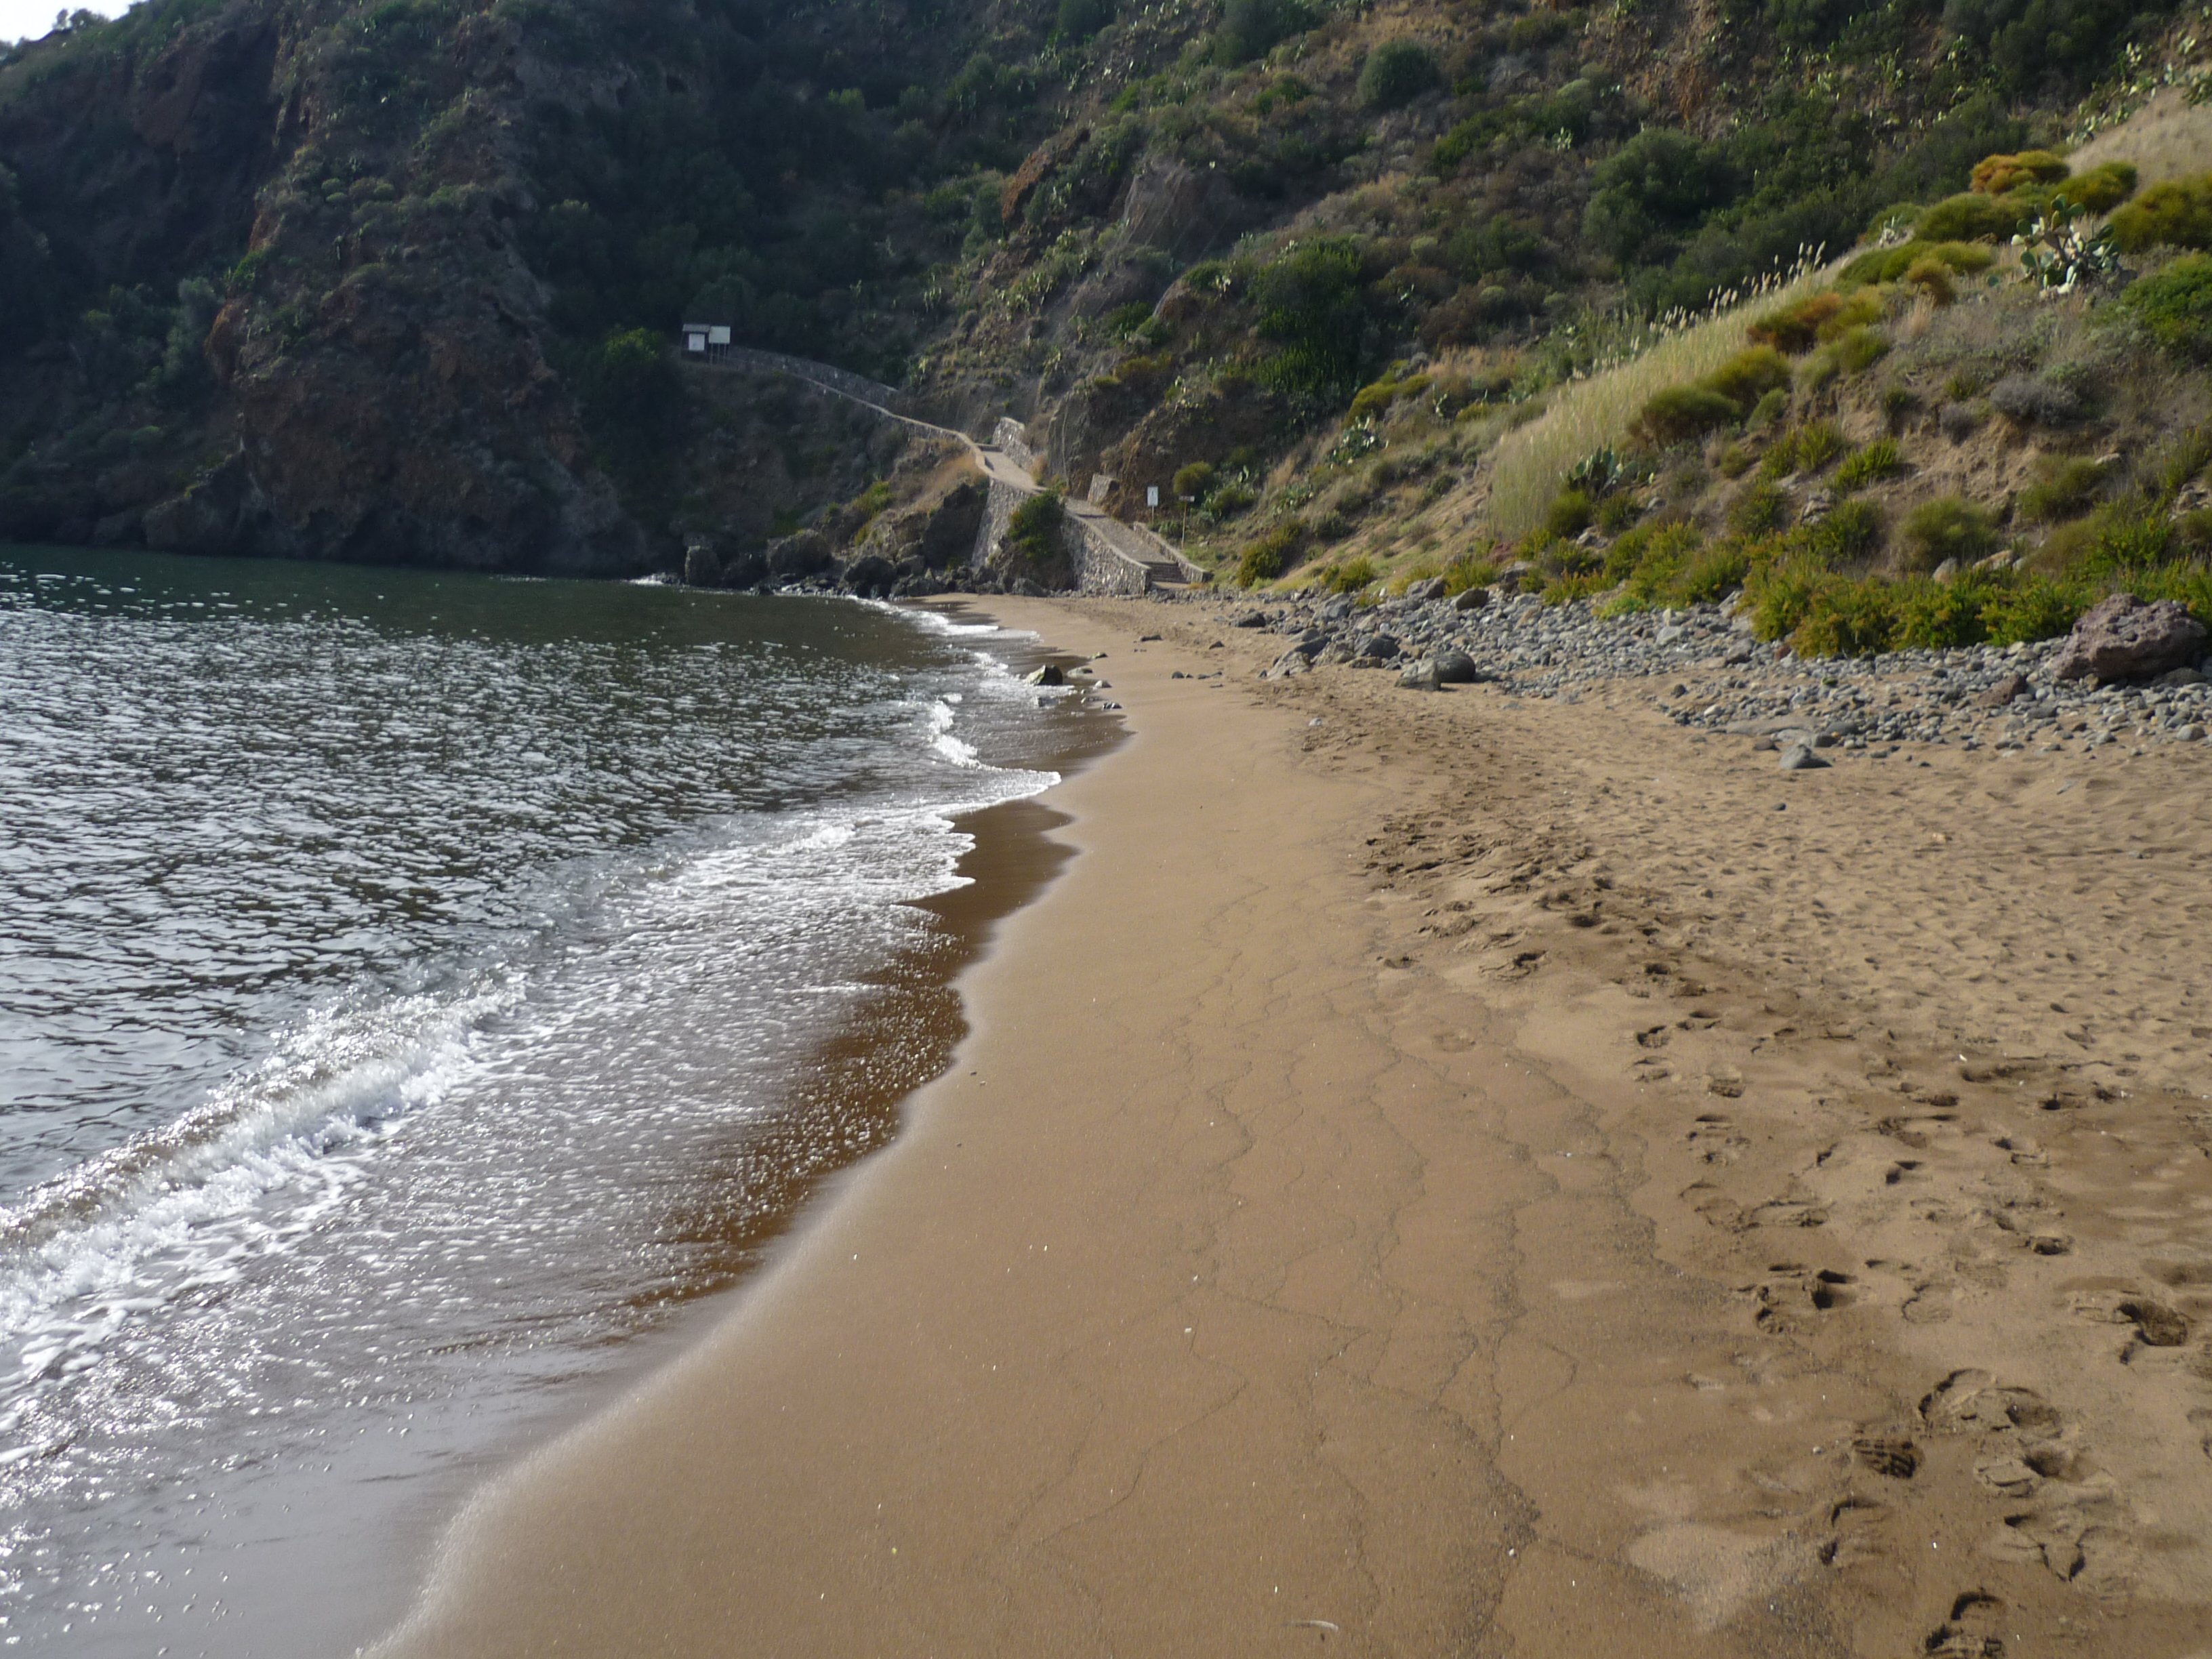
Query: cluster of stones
column 1717, row 677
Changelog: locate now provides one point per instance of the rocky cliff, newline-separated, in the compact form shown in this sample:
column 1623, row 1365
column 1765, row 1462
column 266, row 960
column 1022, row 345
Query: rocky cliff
column 397, row 281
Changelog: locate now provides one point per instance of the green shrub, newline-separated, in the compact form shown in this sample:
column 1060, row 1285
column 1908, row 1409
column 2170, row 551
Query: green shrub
column 1783, row 593
column 1891, row 265
column 2029, row 608
column 1761, row 508
column 1878, row 460
column 1078, row 19
column 2069, row 488
column 2125, row 540
column 1767, row 410
column 1033, row 530
column 1973, row 218
column 1857, row 349
column 1569, row 514
column 2175, row 213
column 1683, row 412
column 1932, row 278
column 1350, row 576
column 1312, row 301
column 1933, row 616
column 2174, row 306
column 1374, row 398
column 1616, row 513
column 1853, row 530
column 1847, row 619
column 1748, row 376
column 1950, row 527
column 2001, row 176
column 1228, row 499
column 1193, row 481
column 1268, row 556
column 1477, row 568
column 1818, row 442
column 1795, row 328
column 2103, row 187
column 1711, row 574
column 1250, row 28
column 1395, row 73
column 1649, row 569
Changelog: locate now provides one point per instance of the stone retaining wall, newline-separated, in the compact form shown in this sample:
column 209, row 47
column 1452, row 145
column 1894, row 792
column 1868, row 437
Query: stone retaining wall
column 1102, row 568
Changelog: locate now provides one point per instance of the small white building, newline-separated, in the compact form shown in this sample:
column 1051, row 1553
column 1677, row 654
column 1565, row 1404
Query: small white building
column 709, row 342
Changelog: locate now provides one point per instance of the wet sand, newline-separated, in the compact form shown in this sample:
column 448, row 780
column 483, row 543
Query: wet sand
column 1462, row 1177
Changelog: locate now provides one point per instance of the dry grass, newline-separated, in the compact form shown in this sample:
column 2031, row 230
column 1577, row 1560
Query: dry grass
column 2166, row 138
column 1597, row 413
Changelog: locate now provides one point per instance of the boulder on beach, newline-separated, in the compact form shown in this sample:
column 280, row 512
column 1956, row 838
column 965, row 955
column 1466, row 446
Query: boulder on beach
column 1419, row 676
column 1455, row 668
column 2124, row 638
column 1800, row 757
column 1048, row 675
column 1473, row 598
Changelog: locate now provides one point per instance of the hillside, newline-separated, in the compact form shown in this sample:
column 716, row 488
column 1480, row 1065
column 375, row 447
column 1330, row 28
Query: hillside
column 397, row 281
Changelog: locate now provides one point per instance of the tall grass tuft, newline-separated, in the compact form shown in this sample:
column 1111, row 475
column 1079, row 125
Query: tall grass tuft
column 1597, row 412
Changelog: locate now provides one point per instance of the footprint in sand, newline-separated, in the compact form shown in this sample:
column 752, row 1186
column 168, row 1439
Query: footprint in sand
column 1713, row 1138
column 1971, row 1631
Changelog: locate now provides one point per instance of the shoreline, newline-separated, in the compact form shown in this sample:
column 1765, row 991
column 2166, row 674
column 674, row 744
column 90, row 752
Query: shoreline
column 1441, row 1174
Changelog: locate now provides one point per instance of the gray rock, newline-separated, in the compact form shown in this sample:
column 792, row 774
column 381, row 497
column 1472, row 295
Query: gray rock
column 2122, row 638
column 2181, row 677
column 1670, row 634
column 1251, row 619
column 1800, row 757
column 1048, row 675
column 2008, row 689
column 2189, row 734
column 1419, row 676
column 1455, row 668
column 1422, row 592
column 1473, row 598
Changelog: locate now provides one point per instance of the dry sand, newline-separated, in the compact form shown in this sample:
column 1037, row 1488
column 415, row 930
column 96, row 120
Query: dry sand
column 1462, row 1177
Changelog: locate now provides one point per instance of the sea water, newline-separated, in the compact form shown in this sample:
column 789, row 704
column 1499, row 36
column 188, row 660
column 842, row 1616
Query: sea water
column 412, row 987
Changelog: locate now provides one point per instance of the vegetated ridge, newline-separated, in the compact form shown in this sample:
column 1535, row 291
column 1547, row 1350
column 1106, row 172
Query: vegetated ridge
column 399, row 280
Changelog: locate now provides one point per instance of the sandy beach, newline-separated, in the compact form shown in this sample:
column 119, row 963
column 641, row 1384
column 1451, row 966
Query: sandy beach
column 1440, row 1174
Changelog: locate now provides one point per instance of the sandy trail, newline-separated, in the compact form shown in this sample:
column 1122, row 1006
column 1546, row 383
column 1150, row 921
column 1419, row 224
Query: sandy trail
column 1468, row 1177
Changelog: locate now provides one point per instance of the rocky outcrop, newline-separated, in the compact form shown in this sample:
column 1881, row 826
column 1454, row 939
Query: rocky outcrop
column 2124, row 638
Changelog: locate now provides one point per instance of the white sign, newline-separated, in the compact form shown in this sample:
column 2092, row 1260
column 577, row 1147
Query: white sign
column 718, row 336
column 695, row 342
column 1152, row 495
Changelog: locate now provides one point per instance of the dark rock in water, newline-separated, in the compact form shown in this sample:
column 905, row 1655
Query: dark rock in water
column 1422, row 592
column 1800, row 757
column 795, row 558
column 2122, row 638
column 1419, row 676
column 1455, row 668
column 1048, row 675
column 1251, row 619
column 2006, row 690
column 702, row 566
column 871, row 575
column 1473, row 598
